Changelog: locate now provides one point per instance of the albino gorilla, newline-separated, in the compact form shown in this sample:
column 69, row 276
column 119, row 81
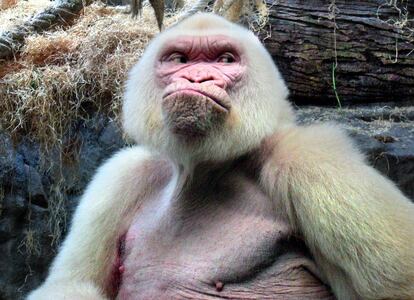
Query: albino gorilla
column 228, row 197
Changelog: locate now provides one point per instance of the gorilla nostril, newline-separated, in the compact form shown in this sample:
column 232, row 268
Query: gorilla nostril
column 202, row 77
column 205, row 79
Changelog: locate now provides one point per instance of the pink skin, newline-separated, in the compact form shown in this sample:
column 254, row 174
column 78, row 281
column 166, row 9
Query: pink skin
column 205, row 65
column 217, row 237
column 196, row 73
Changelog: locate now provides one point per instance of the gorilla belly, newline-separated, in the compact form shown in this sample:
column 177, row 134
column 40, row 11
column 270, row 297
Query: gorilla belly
column 289, row 279
column 227, row 243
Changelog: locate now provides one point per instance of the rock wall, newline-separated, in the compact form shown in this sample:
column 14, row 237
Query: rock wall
column 384, row 132
column 37, row 197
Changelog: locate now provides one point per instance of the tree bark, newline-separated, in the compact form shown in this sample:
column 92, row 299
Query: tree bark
column 61, row 13
column 357, row 48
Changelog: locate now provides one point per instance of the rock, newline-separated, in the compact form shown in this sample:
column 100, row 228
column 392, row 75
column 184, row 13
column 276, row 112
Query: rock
column 6, row 157
column 26, row 253
column 38, row 194
column 385, row 133
column 35, row 191
column 111, row 136
column 117, row 2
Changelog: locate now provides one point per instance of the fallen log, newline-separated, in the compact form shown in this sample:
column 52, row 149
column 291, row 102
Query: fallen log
column 344, row 52
column 61, row 13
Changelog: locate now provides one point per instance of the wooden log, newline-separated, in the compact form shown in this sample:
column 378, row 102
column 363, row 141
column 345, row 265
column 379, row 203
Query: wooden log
column 60, row 13
column 364, row 49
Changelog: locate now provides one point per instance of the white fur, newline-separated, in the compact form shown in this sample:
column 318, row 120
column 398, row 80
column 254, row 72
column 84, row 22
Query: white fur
column 259, row 111
column 79, row 270
column 357, row 224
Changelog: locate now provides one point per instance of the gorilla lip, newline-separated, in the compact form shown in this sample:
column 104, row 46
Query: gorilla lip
column 191, row 91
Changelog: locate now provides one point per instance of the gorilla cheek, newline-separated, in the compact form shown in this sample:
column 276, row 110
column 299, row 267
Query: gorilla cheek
column 192, row 116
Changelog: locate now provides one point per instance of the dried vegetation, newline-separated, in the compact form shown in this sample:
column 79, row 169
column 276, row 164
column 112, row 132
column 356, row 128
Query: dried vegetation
column 64, row 74
column 15, row 12
column 5, row 4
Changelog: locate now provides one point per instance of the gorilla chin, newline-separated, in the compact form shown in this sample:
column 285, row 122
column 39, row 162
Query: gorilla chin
column 192, row 114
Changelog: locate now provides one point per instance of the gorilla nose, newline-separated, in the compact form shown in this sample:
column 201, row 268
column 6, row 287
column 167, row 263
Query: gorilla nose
column 204, row 76
column 200, row 79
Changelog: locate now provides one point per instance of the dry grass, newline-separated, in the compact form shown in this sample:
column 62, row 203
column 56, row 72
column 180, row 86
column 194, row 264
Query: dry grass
column 5, row 4
column 15, row 12
column 30, row 244
column 61, row 72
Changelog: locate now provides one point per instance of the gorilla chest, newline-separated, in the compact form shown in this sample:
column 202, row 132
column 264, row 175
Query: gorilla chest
column 224, row 240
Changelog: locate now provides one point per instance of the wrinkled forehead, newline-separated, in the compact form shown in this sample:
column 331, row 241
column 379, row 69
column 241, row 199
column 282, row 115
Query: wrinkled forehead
column 208, row 31
column 212, row 43
column 209, row 39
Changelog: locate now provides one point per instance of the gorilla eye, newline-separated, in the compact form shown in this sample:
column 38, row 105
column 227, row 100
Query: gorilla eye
column 178, row 58
column 226, row 58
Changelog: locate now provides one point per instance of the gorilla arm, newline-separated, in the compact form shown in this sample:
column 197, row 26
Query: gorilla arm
column 83, row 266
column 357, row 224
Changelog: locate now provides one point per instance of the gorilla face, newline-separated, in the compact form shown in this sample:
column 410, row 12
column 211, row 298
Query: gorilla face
column 196, row 73
column 202, row 93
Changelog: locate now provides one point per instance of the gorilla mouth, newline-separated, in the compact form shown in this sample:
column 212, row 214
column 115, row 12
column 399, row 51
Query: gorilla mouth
column 190, row 92
column 193, row 112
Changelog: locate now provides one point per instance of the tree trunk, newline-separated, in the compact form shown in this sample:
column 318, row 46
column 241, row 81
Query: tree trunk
column 60, row 13
column 344, row 51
